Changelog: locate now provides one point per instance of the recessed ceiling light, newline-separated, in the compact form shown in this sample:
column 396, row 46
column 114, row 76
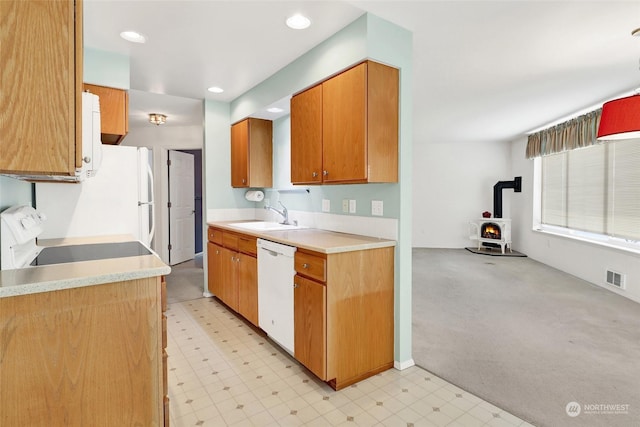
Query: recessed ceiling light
column 133, row 36
column 298, row 22
column 275, row 110
column 215, row 89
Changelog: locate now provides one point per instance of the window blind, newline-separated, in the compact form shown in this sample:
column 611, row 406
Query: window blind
column 594, row 189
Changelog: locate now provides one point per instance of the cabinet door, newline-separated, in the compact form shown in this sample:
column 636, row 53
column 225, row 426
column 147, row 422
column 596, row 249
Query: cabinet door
column 229, row 291
column 114, row 112
column 214, row 259
column 40, row 129
column 248, row 288
column 240, row 154
column 260, row 153
column 344, row 126
column 310, row 325
column 306, row 137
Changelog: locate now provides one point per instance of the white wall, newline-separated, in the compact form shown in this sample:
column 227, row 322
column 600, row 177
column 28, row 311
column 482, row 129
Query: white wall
column 169, row 137
column 452, row 185
column 585, row 260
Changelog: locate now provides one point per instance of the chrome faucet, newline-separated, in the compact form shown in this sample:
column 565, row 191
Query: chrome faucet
column 284, row 212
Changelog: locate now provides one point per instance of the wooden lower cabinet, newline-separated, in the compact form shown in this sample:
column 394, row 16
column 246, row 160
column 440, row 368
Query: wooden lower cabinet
column 343, row 304
column 310, row 320
column 356, row 314
column 214, row 264
column 229, row 292
column 248, row 287
column 233, row 272
column 87, row 356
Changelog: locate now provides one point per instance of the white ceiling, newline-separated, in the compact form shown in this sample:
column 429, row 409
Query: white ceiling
column 483, row 70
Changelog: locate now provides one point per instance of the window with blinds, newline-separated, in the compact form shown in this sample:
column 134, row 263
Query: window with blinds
column 594, row 189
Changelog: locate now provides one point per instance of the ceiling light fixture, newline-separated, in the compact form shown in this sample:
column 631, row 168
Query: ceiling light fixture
column 620, row 118
column 133, row 36
column 215, row 89
column 275, row 110
column 157, row 119
column 298, row 22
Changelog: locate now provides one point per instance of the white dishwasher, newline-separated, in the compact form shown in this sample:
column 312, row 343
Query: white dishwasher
column 275, row 291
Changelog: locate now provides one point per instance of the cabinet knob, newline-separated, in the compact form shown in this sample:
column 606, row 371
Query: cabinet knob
column 217, row 252
column 86, row 159
column 314, row 174
column 244, row 181
column 305, row 265
column 295, row 285
column 325, row 173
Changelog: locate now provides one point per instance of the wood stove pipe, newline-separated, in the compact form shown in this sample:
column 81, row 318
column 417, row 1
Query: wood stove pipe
column 516, row 184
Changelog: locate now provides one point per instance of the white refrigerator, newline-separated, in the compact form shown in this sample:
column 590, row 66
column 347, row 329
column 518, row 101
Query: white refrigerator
column 117, row 200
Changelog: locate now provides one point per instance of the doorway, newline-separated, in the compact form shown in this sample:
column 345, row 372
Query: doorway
column 181, row 207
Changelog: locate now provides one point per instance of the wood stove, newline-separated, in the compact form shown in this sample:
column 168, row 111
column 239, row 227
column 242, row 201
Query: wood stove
column 491, row 232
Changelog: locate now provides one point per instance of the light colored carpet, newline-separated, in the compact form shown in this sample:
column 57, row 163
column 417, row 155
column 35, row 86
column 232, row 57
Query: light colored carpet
column 185, row 282
column 526, row 337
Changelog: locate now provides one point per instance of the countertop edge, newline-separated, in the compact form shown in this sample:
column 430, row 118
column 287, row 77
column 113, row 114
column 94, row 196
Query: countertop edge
column 79, row 282
column 276, row 236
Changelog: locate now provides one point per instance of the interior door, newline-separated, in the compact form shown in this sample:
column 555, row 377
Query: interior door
column 181, row 207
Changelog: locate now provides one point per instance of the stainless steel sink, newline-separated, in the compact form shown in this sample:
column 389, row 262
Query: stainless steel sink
column 265, row 226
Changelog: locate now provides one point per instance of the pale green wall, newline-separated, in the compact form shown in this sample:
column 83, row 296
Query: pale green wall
column 368, row 37
column 106, row 69
column 14, row 192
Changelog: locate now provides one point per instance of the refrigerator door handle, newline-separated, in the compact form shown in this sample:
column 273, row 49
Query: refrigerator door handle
column 151, row 204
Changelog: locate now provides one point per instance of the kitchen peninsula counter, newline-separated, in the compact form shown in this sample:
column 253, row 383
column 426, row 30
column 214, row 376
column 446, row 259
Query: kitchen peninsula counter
column 78, row 354
column 313, row 239
column 30, row 280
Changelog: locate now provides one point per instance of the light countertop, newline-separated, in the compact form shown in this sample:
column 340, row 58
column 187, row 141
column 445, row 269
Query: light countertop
column 312, row 239
column 46, row 278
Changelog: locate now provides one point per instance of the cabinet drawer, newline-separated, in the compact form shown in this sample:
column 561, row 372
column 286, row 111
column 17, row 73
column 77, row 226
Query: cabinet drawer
column 310, row 265
column 215, row 235
column 230, row 240
column 247, row 245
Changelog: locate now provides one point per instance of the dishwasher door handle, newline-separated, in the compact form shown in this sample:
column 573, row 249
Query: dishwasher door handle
column 272, row 253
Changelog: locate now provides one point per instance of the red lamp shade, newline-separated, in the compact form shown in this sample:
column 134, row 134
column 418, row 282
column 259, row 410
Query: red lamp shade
column 620, row 119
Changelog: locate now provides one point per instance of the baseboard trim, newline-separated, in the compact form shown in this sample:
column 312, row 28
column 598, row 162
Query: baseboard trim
column 403, row 365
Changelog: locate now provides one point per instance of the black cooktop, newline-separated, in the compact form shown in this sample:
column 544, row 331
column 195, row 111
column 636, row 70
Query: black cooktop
column 75, row 253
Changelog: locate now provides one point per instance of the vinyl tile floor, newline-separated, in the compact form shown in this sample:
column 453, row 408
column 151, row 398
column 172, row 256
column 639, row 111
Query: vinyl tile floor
column 224, row 372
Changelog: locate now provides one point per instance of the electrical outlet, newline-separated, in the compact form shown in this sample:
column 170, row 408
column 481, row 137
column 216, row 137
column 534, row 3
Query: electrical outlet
column 377, row 207
column 352, row 206
column 326, row 205
column 345, row 205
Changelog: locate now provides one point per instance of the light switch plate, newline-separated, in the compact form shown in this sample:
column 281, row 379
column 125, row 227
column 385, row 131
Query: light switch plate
column 352, row 206
column 345, row 205
column 377, row 207
column 326, row 205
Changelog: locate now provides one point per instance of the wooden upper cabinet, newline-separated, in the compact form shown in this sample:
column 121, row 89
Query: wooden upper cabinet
column 114, row 112
column 306, row 131
column 252, row 153
column 41, row 87
column 357, row 124
column 344, row 120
